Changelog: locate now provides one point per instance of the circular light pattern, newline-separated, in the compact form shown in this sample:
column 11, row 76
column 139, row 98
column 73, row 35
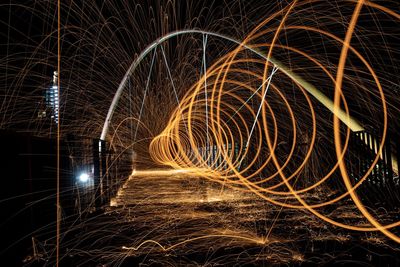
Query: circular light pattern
column 229, row 126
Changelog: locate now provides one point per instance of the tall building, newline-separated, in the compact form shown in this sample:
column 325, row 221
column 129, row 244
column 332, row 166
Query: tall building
column 52, row 101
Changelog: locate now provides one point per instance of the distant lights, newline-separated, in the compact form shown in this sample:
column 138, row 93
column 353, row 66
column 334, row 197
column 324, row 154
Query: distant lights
column 53, row 97
column 83, row 177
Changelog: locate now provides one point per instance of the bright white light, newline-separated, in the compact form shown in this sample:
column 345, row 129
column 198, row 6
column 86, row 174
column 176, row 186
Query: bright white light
column 84, row 177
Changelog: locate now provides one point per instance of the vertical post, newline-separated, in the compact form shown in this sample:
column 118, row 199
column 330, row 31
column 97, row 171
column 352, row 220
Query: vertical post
column 105, row 183
column 58, row 222
column 205, row 90
column 389, row 167
column 387, row 160
column 352, row 157
column 375, row 139
column 371, row 179
column 96, row 173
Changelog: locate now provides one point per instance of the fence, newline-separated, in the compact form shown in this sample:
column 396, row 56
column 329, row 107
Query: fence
column 382, row 184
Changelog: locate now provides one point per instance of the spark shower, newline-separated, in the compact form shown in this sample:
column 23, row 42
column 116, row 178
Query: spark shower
column 265, row 106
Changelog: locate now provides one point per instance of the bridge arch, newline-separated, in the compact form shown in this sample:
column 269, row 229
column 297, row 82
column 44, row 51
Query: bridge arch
column 320, row 96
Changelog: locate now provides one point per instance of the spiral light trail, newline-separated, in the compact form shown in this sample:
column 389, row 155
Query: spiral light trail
column 248, row 132
column 179, row 147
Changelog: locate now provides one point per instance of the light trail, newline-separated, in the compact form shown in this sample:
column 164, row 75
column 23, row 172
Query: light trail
column 346, row 119
column 171, row 147
column 245, row 126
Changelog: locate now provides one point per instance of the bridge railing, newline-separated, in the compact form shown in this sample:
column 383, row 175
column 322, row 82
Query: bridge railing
column 382, row 184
